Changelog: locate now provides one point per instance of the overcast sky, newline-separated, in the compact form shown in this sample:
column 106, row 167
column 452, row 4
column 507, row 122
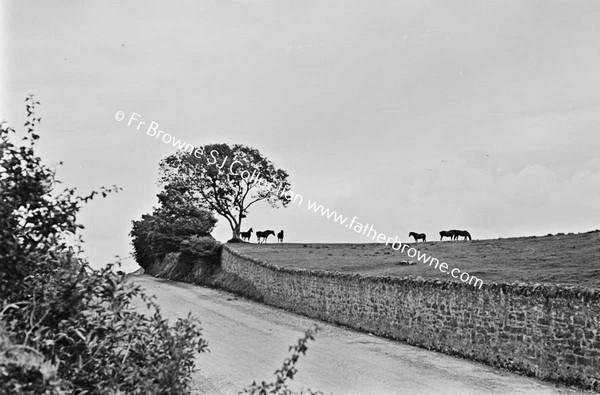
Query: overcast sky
column 412, row 115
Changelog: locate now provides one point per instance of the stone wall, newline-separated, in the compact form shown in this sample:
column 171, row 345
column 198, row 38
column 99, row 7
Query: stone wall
column 547, row 331
column 205, row 271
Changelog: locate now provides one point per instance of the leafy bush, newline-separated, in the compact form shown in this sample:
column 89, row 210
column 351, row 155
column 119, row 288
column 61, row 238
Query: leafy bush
column 203, row 246
column 33, row 221
column 26, row 370
column 64, row 326
column 176, row 220
column 84, row 319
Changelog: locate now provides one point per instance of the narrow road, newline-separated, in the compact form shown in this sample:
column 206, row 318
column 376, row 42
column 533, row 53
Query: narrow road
column 248, row 341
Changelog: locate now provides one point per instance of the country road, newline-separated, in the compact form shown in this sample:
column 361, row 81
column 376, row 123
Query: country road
column 248, row 341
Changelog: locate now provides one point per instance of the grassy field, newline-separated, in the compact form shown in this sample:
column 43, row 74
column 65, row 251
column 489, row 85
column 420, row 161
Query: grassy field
column 572, row 259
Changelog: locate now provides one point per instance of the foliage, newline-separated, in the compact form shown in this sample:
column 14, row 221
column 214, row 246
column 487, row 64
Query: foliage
column 64, row 326
column 32, row 220
column 25, row 370
column 84, row 319
column 204, row 246
column 174, row 222
column 287, row 371
column 227, row 179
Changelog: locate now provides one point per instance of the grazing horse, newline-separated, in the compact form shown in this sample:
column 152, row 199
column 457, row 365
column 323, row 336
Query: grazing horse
column 463, row 233
column 417, row 236
column 447, row 233
column 263, row 235
column 246, row 235
column 280, row 236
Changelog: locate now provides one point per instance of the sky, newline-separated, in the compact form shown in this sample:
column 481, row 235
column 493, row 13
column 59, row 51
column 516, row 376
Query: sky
column 410, row 115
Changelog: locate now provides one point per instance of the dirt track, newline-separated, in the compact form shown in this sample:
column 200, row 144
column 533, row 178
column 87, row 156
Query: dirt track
column 248, row 341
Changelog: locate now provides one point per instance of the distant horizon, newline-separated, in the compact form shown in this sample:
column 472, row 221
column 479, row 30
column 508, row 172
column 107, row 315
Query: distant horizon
column 429, row 241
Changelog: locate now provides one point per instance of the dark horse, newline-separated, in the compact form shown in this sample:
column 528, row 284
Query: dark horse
column 462, row 233
column 263, row 235
column 246, row 235
column 280, row 236
column 417, row 236
column 447, row 233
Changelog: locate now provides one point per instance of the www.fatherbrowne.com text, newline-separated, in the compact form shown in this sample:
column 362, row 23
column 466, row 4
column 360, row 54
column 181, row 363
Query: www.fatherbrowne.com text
column 369, row 231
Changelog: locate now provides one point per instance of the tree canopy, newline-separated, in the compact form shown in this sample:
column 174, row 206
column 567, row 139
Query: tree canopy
column 227, row 179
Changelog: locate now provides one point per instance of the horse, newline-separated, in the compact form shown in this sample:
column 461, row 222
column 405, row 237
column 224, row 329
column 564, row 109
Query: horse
column 463, row 233
column 246, row 235
column 417, row 236
column 280, row 236
column 447, row 233
column 263, row 235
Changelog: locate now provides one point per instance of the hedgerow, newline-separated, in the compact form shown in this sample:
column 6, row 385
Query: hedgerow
column 65, row 327
column 175, row 225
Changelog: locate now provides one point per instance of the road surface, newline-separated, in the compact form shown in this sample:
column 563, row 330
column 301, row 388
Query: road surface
column 249, row 341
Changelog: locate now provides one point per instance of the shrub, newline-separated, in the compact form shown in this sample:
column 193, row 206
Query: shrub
column 33, row 219
column 25, row 370
column 64, row 326
column 175, row 221
column 83, row 318
column 203, row 246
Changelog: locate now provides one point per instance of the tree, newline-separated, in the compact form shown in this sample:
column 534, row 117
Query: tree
column 227, row 180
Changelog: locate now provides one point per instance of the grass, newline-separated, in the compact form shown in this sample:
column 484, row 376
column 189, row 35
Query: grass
column 572, row 259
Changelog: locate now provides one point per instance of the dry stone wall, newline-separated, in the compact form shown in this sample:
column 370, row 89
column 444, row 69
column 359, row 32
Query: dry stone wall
column 547, row 331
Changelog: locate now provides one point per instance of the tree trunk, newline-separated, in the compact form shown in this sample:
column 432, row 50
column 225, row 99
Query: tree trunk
column 235, row 238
